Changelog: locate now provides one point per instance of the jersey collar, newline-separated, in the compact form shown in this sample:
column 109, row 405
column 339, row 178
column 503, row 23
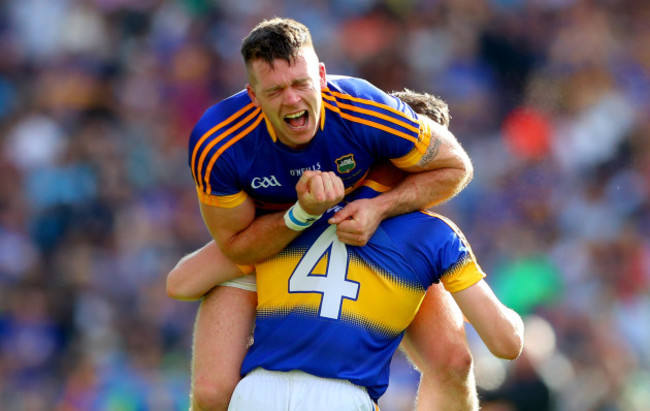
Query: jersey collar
column 322, row 115
column 269, row 128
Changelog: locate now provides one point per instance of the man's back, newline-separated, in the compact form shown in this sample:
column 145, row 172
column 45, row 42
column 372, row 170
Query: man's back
column 340, row 311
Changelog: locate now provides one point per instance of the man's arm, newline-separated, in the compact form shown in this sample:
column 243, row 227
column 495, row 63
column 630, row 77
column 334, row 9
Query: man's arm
column 246, row 239
column 243, row 238
column 440, row 174
column 500, row 328
column 444, row 171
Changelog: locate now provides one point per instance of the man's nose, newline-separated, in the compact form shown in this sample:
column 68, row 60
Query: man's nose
column 291, row 96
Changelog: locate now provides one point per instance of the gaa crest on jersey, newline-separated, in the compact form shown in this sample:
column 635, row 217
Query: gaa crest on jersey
column 265, row 182
column 345, row 164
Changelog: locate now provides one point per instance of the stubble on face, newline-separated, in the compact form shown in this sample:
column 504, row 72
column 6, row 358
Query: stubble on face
column 289, row 95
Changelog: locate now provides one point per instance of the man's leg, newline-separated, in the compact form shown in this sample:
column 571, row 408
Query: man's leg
column 221, row 336
column 437, row 345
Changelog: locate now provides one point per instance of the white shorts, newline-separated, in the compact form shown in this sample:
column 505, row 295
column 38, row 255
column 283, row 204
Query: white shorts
column 297, row 391
column 246, row 282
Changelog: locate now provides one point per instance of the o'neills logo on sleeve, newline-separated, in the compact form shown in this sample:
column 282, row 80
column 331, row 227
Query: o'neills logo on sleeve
column 345, row 164
column 265, row 182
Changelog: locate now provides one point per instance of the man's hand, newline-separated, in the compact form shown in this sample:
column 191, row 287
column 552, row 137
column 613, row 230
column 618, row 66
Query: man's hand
column 247, row 240
column 318, row 191
column 441, row 173
column 356, row 222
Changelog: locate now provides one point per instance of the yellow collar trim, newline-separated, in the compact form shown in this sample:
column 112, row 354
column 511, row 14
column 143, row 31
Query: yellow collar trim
column 269, row 128
column 322, row 115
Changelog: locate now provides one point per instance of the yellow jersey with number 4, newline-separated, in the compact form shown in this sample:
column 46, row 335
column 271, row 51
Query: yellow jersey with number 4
column 339, row 311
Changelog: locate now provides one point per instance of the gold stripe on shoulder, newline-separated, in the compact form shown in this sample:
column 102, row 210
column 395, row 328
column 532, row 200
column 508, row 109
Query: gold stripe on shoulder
column 326, row 96
column 212, row 131
column 379, row 126
column 371, row 123
column 375, row 125
column 224, row 147
column 331, row 107
column 380, row 115
column 204, row 153
column 372, row 103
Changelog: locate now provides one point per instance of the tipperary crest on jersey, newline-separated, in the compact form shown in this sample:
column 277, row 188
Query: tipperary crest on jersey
column 345, row 164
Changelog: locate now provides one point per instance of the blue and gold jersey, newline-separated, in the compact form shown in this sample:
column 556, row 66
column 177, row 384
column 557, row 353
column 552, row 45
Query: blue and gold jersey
column 339, row 311
column 234, row 153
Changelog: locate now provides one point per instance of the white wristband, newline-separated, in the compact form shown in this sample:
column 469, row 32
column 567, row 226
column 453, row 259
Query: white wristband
column 298, row 219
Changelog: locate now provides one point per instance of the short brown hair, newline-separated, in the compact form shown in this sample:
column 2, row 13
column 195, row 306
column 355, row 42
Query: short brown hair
column 278, row 38
column 426, row 104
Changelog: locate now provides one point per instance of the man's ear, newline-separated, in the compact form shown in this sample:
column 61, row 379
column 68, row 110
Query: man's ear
column 252, row 95
column 323, row 75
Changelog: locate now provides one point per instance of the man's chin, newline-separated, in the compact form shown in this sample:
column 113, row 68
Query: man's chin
column 296, row 138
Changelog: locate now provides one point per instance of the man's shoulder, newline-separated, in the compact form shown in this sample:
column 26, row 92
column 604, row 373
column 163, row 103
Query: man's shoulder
column 356, row 96
column 233, row 102
column 422, row 226
column 355, row 87
column 232, row 115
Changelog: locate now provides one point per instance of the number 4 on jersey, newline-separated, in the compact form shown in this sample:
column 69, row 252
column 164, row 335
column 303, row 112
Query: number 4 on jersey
column 333, row 286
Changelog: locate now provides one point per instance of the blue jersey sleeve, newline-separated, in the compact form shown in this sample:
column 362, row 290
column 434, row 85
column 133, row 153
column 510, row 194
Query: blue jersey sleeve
column 384, row 125
column 214, row 170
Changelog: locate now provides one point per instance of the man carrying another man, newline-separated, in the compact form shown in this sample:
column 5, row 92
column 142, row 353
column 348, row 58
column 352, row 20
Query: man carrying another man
column 247, row 154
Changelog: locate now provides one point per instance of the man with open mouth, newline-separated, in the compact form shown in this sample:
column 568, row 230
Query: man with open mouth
column 248, row 152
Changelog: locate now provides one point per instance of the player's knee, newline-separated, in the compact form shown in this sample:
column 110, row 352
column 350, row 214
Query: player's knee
column 455, row 364
column 459, row 363
column 210, row 394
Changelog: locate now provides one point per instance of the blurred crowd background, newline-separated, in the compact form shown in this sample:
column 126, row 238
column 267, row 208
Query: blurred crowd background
column 551, row 98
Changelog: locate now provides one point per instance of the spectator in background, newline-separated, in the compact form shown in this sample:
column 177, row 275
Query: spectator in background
column 93, row 256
